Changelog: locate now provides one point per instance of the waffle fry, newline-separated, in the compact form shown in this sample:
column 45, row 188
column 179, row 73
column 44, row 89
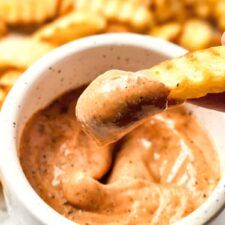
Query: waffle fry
column 21, row 52
column 193, row 75
column 197, row 34
column 133, row 13
column 168, row 31
column 27, row 12
column 71, row 27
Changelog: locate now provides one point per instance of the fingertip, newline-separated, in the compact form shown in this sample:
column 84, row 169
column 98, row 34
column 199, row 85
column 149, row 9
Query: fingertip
column 223, row 39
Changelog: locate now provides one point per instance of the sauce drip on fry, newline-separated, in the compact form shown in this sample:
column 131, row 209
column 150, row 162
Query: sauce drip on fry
column 117, row 102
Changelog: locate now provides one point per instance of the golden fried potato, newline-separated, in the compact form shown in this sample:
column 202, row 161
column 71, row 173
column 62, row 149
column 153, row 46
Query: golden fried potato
column 90, row 6
column 193, row 75
column 169, row 9
column 117, row 27
column 9, row 78
column 17, row 12
column 65, row 6
column 197, row 34
column 133, row 13
column 168, row 31
column 219, row 14
column 21, row 52
column 98, row 5
column 162, row 11
column 204, row 8
column 2, row 96
column 141, row 2
column 137, row 16
column 71, row 27
column 3, row 28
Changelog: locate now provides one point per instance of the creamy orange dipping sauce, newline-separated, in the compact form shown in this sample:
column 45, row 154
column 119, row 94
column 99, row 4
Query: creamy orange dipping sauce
column 157, row 174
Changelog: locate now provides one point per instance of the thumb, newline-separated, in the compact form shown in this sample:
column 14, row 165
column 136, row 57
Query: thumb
column 212, row 101
column 223, row 39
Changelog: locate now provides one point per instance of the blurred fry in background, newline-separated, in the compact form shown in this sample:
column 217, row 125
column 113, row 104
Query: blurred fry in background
column 31, row 28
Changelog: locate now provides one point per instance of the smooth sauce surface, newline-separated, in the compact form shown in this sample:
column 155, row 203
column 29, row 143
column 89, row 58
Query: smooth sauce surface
column 157, row 174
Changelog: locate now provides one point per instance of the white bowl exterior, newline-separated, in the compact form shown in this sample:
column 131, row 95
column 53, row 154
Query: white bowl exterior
column 66, row 68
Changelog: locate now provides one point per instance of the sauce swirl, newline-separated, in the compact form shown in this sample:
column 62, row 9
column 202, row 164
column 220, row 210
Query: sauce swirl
column 157, row 174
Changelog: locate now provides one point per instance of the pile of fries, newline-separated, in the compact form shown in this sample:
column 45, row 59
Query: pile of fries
column 31, row 28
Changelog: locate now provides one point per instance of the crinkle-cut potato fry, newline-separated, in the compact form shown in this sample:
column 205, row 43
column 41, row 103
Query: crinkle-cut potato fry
column 203, row 8
column 141, row 2
column 219, row 14
column 193, row 75
column 162, row 11
column 9, row 78
column 17, row 12
column 117, row 27
column 3, row 28
column 2, row 96
column 93, row 6
column 165, row 10
column 168, row 31
column 70, row 27
column 133, row 13
column 137, row 16
column 65, row 6
column 21, row 52
column 197, row 34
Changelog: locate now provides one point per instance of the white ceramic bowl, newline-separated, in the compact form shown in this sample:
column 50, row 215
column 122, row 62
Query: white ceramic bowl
column 69, row 67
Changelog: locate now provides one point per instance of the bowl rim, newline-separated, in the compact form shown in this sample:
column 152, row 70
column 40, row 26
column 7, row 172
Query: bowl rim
column 37, row 207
